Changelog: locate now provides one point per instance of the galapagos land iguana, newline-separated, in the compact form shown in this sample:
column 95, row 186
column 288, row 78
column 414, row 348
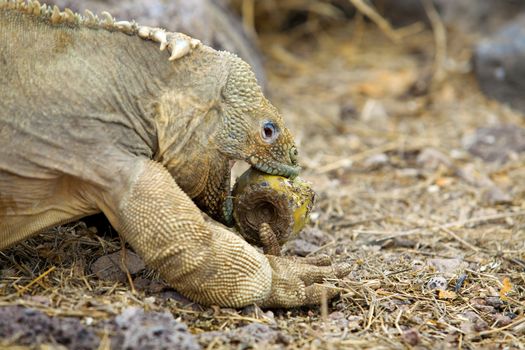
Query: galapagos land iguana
column 95, row 118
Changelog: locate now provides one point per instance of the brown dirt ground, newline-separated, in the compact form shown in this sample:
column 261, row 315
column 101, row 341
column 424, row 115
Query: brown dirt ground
column 399, row 196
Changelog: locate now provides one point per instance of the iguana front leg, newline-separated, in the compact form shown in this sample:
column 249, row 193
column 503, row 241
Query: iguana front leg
column 206, row 263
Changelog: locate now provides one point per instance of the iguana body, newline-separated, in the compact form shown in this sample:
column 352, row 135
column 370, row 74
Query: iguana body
column 94, row 117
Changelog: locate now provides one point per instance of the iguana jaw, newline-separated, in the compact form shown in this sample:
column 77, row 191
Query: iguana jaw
column 274, row 168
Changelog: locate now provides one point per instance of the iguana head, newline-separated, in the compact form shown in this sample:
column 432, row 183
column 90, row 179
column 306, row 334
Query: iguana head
column 217, row 114
column 251, row 128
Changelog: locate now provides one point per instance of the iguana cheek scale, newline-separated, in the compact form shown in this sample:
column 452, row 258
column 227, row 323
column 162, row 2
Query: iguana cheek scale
column 95, row 118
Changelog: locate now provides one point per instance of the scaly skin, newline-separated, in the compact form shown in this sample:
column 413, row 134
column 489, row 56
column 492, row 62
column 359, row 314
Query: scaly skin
column 95, row 118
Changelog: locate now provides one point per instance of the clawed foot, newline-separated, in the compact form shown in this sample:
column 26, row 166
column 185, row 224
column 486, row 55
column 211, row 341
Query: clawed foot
column 295, row 280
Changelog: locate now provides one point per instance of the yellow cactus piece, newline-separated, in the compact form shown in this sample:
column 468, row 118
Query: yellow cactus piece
column 283, row 203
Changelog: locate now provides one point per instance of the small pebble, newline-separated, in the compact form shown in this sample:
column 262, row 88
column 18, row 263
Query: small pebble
column 437, row 283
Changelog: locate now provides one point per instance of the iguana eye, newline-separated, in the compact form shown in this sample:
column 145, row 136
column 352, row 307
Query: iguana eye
column 269, row 131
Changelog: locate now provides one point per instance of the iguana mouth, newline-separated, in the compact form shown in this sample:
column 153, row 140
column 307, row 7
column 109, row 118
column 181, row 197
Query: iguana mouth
column 274, row 168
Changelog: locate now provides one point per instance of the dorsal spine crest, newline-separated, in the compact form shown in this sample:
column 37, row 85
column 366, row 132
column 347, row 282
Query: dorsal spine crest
column 179, row 44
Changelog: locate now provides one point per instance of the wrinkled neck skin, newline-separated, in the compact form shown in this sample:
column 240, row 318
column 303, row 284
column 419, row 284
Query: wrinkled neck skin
column 187, row 122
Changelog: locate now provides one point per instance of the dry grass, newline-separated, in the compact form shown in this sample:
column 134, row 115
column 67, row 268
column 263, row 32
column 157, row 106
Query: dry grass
column 350, row 94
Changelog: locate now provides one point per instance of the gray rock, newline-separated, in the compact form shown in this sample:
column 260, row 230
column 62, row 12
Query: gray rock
column 136, row 329
column 252, row 335
column 494, row 195
column 300, row 247
column 309, row 241
column 25, row 326
column 496, row 143
column 108, row 267
column 132, row 329
column 499, row 64
column 437, row 282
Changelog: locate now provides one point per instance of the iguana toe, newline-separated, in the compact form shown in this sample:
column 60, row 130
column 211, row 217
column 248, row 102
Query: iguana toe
column 294, row 282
